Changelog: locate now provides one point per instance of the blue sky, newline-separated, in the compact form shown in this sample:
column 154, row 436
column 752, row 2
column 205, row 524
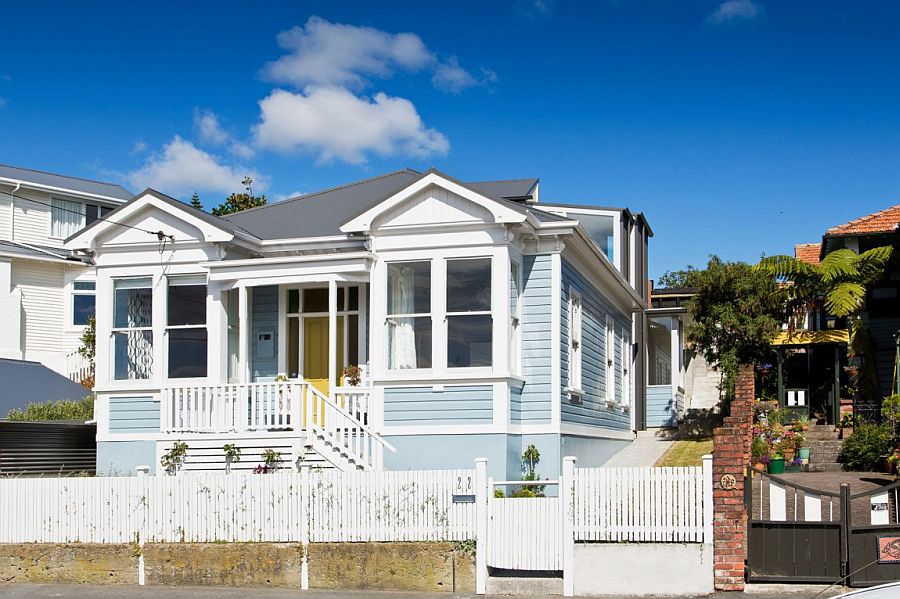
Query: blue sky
column 738, row 127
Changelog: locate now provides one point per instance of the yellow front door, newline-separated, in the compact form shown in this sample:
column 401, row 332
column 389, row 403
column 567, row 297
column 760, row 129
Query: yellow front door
column 315, row 356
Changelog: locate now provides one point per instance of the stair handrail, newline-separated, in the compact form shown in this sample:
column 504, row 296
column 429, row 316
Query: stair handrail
column 353, row 419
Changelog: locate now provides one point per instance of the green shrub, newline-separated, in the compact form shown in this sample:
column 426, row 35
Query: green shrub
column 759, row 447
column 81, row 409
column 866, row 448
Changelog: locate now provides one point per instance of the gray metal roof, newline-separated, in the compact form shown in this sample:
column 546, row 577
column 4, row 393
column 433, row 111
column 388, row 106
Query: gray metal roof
column 100, row 188
column 511, row 189
column 32, row 382
column 36, row 251
column 322, row 213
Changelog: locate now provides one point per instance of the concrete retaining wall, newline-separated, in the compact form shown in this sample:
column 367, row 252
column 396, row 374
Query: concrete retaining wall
column 643, row 569
column 76, row 564
column 391, row 567
column 364, row 566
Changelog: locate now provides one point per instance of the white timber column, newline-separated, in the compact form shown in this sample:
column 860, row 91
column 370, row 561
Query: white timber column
column 217, row 336
column 332, row 335
column 244, row 334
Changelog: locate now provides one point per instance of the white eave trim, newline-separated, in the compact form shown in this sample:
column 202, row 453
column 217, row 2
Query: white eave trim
column 61, row 190
column 363, row 222
column 331, row 257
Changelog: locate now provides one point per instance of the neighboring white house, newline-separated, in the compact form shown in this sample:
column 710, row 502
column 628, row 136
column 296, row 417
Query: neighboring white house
column 482, row 324
column 46, row 293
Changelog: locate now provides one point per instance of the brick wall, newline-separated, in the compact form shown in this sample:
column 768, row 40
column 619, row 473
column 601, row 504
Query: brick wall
column 731, row 454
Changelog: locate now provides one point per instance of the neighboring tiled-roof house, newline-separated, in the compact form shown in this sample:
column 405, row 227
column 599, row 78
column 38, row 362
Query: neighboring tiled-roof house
column 808, row 252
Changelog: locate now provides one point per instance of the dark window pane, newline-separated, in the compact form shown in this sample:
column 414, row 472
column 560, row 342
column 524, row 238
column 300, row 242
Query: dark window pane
column 91, row 213
column 82, row 309
column 187, row 304
column 133, row 352
column 409, row 288
column 600, row 227
column 315, row 300
column 187, row 353
column 293, row 301
column 469, row 285
column 353, row 339
column 133, row 304
column 85, row 286
column 293, row 348
column 340, row 299
column 469, row 341
column 104, row 210
column 409, row 342
column 354, row 298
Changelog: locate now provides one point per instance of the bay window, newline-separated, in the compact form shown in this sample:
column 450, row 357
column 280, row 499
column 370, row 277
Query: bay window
column 409, row 320
column 469, row 321
column 186, row 327
column 132, row 329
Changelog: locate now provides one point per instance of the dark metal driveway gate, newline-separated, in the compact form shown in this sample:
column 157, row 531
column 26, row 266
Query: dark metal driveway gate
column 800, row 534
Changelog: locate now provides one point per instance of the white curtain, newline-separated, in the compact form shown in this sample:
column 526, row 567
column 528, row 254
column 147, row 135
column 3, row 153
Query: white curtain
column 401, row 332
column 66, row 218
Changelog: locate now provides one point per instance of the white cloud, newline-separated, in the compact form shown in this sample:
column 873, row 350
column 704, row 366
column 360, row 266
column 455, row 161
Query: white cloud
column 336, row 124
column 207, row 125
column 732, row 12
column 182, row 168
column 139, row 147
column 287, row 196
column 325, row 53
column 536, row 9
column 211, row 132
column 451, row 77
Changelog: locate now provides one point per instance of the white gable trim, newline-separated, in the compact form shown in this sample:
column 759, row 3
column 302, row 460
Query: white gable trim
column 88, row 237
column 363, row 222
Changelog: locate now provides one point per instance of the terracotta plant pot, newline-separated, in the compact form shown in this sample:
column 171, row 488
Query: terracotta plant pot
column 788, row 455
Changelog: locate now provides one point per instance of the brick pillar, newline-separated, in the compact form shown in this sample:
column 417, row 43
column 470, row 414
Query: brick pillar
column 731, row 454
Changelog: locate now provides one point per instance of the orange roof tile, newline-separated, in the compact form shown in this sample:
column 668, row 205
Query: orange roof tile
column 808, row 252
column 885, row 221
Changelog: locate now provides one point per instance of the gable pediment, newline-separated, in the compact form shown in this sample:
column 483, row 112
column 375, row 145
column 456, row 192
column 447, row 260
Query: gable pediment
column 433, row 200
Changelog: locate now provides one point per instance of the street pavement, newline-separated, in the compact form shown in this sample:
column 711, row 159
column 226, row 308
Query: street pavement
column 42, row 591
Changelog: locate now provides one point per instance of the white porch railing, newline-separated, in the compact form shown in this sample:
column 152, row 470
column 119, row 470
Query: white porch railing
column 339, row 424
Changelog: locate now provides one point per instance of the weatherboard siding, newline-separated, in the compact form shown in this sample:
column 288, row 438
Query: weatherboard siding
column 591, row 408
column 134, row 414
column 264, row 317
column 661, row 408
column 463, row 404
column 533, row 402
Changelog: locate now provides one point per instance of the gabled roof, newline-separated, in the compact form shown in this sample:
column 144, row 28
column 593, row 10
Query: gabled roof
column 322, row 213
column 510, row 189
column 31, row 382
column 808, row 252
column 86, row 186
column 884, row 221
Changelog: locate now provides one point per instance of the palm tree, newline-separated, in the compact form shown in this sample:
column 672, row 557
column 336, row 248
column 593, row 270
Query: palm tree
column 838, row 283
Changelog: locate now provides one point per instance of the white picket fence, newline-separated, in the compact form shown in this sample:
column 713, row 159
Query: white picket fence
column 525, row 533
column 643, row 504
column 324, row 506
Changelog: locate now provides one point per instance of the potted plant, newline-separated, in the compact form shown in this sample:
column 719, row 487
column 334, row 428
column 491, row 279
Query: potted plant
column 801, row 424
column 803, row 450
column 848, row 421
column 892, row 461
column 776, row 464
column 271, row 461
column 793, row 465
column 172, row 460
column 352, row 375
column 788, row 446
column 232, row 454
column 759, row 449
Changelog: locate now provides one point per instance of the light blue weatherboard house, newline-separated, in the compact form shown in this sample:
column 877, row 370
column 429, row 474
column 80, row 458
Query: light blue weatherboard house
column 481, row 321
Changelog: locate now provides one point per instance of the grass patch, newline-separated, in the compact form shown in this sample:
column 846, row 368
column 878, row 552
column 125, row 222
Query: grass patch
column 686, row 452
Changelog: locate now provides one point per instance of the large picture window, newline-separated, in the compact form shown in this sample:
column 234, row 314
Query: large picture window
column 186, row 328
column 409, row 323
column 469, row 322
column 132, row 329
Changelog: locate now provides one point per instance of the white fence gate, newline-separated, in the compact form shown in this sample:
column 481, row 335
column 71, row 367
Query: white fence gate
column 525, row 533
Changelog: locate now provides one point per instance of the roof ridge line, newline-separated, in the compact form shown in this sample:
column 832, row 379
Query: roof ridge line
column 863, row 218
column 85, row 179
column 327, row 190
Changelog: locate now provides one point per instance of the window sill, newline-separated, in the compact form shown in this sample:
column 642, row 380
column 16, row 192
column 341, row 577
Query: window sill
column 576, row 396
column 611, row 405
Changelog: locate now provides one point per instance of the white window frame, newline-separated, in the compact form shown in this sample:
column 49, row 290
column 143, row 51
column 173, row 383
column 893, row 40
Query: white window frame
column 576, row 345
column 625, row 369
column 389, row 316
column 515, row 320
column 53, row 201
column 447, row 315
column 70, row 303
column 610, row 357
column 178, row 281
column 154, row 367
